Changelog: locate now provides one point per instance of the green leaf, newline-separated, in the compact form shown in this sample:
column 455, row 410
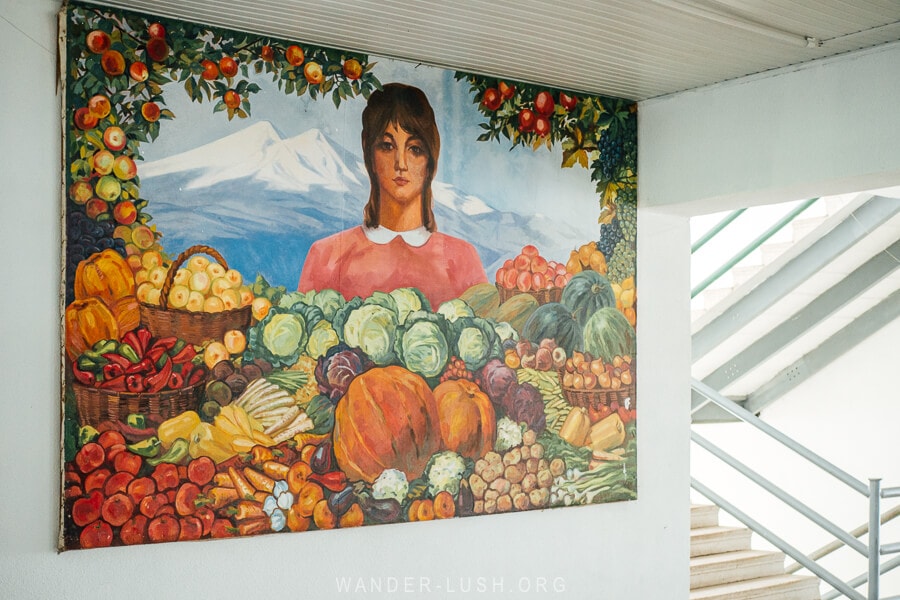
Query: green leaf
column 219, row 107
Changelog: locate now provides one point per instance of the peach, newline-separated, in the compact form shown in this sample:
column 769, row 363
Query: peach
column 153, row 297
column 157, row 49
column 143, row 291
column 197, row 263
column 178, row 296
column 97, row 41
column 228, row 66
column 85, row 119
column 266, row 53
column 246, row 295
column 123, row 232
column 81, row 191
column 151, row 259
column 313, row 73
column 214, row 353
column 138, row 71
column 234, row 341
column 352, row 69
column 195, row 302
column 200, row 282
column 213, row 304
column 132, row 249
column 103, row 162
column 232, row 99
column 150, row 111
column 95, row 207
column 231, row 299
column 259, row 308
column 100, row 106
column 234, row 278
column 134, row 262
column 141, row 276
column 114, row 138
column 210, row 70
column 125, row 213
column 112, row 62
column 294, row 55
column 143, row 237
column 123, row 167
column 215, row 270
column 156, row 30
column 218, row 286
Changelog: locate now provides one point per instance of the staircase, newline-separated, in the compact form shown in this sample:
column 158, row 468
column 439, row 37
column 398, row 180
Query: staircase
column 724, row 567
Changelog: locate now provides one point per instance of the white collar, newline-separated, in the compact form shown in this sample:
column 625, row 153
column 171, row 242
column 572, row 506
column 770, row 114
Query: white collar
column 382, row 235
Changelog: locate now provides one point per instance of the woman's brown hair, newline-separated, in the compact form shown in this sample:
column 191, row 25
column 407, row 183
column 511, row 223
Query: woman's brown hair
column 407, row 107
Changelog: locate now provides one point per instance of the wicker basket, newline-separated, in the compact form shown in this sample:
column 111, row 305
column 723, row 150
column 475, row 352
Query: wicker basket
column 192, row 327
column 96, row 405
column 598, row 397
column 542, row 296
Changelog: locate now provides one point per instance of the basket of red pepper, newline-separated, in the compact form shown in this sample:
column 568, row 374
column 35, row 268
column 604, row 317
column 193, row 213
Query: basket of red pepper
column 137, row 374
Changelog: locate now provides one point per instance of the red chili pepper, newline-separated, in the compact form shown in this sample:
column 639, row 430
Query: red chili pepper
column 334, row 481
column 112, row 370
column 197, row 376
column 185, row 355
column 166, row 343
column 131, row 338
column 117, row 359
column 157, row 381
column 83, row 377
column 144, row 337
column 134, row 383
column 143, row 367
column 175, row 381
column 155, row 353
column 117, row 384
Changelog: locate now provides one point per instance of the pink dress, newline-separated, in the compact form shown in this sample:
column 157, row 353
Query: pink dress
column 442, row 267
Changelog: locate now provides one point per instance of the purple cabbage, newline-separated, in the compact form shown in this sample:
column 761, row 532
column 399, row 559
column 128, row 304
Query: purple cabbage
column 523, row 404
column 495, row 378
column 337, row 368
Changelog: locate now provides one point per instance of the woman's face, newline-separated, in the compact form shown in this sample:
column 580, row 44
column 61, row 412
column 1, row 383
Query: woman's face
column 401, row 166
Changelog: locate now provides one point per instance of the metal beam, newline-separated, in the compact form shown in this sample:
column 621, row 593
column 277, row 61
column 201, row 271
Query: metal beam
column 874, row 270
column 867, row 217
column 849, row 336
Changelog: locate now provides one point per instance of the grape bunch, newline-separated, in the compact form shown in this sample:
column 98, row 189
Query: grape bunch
column 622, row 264
column 84, row 237
column 629, row 142
column 456, row 369
column 612, row 150
column 626, row 213
column 610, row 234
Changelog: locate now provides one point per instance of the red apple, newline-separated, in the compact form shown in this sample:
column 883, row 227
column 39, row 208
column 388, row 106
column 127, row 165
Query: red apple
column 543, row 103
column 568, row 102
column 266, row 53
column 134, row 530
column 542, row 126
column 127, row 462
column 96, row 480
column 118, row 483
column 87, row 509
column 352, row 69
column 110, row 438
column 100, row 106
column 526, row 120
column 81, row 191
column 232, row 99
column 228, row 67
column 509, row 279
column 112, row 62
column 140, row 488
column 206, row 516
column 151, row 504
column 294, row 55
column 506, row 91
column 538, row 264
column 114, row 138
column 113, row 451
column 164, row 528
column 138, row 71
column 313, row 73
column 191, row 528
column 96, row 535
column 501, row 274
column 90, row 457
column 157, row 49
column 524, row 281
column 538, row 281
column 509, row 264
column 95, row 207
column 103, row 162
column 85, row 119
column 210, row 70
column 156, row 30
column 150, row 111
column 522, row 262
column 124, row 167
column 491, row 99
column 97, row 41
column 530, row 250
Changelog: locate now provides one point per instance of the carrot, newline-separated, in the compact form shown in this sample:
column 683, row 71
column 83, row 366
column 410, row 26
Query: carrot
column 247, row 509
column 241, row 485
column 254, row 526
column 260, row 496
column 221, row 496
column 275, row 470
column 223, row 480
column 260, row 454
column 259, row 481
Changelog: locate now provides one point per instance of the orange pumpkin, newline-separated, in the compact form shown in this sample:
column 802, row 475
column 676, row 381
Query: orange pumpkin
column 88, row 321
column 388, row 419
column 468, row 422
column 105, row 275
column 127, row 312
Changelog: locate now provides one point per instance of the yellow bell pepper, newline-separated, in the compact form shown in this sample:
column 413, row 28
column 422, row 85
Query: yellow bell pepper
column 209, row 440
column 177, row 427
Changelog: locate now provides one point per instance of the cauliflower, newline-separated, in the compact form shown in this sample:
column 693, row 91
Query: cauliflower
column 444, row 472
column 509, row 435
column 391, row 484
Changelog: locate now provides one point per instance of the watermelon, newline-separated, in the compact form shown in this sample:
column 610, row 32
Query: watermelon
column 586, row 293
column 608, row 334
column 553, row 321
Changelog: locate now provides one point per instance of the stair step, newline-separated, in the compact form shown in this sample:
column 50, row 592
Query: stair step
column 713, row 540
column 743, row 274
column 730, row 567
column 704, row 515
column 772, row 251
column 712, row 296
column 779, row 587
column 801, row 227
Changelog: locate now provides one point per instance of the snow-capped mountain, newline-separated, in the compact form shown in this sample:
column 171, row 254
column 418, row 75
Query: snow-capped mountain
column 261, row 201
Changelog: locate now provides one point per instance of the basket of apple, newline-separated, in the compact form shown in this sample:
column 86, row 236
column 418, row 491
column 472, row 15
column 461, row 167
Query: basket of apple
column 531, row 273
column 198, row 299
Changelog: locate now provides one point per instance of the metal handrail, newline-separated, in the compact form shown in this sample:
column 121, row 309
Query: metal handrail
column 862, row 578
column 886, row 516
column 716, row 229
column 759, row 241
column 873, row 492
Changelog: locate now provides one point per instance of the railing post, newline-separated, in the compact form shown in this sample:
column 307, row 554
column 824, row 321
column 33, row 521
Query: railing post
column 874, row 537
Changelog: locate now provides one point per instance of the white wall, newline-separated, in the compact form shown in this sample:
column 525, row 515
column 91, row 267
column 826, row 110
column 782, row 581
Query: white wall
column 592, row 552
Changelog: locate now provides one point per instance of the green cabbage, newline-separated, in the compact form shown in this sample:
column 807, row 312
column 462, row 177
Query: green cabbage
column 279, row 338
column 409, row 300
column 343, row 313
column 475, row 341
column 422, row 345
column 322, row 338
column 372, row 328
column 291, row 299
column 382, row 299
column 505, row 331
column 454, row 309
column 328, row 301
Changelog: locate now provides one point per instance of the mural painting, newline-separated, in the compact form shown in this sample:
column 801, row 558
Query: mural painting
column 315, row 289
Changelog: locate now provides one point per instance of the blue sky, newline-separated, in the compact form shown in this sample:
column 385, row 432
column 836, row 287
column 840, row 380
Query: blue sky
column 519, row 180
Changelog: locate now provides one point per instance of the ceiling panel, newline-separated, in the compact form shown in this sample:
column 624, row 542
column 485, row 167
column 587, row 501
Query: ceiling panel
column 636, row 49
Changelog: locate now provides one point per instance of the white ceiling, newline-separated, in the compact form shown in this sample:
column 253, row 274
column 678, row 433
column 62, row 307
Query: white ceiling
column 634, row 49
